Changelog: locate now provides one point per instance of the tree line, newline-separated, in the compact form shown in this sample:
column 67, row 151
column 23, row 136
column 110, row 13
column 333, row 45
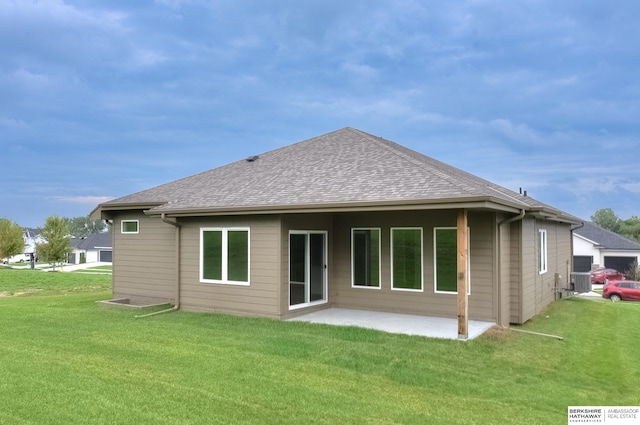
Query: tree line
column 56, row 234
column 607, row 219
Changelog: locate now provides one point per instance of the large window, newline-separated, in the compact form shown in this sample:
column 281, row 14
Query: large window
column 365, row 258
column 129, row 226
column 542, row 251
column 445, row 253
column 406, row 259
column 224, row 255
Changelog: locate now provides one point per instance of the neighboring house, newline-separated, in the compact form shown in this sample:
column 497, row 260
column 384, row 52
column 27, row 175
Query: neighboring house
column 346, row 219
column 94, row 248
column 594, row 247
column 31, row 237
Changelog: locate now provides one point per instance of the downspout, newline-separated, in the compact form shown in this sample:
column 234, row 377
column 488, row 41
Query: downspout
column 520, row 216
column 570, row 267
column 177, row 270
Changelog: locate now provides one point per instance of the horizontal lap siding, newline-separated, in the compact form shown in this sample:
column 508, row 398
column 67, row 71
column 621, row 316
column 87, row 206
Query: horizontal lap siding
column 144, row 263
column 514, row 258
column 539, row 290
column 481, row 300
column 261, row 297
column 529, row 270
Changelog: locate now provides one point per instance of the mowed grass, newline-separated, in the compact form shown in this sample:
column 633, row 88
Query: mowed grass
column 27, row 281
column 66, row 360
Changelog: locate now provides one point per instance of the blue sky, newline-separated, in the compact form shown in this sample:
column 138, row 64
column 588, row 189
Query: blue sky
column 101, row 99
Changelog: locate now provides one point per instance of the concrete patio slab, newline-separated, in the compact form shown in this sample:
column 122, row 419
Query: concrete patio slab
column 433, row 327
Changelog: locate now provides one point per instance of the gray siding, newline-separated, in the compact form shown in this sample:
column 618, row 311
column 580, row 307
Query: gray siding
column 514, row 256
column 261, row 297
column 540, row 289
column 144, row 263
column 505, row 263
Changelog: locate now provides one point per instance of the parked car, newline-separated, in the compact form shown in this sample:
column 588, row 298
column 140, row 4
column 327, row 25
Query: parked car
column 602, row 274
column 626, row 290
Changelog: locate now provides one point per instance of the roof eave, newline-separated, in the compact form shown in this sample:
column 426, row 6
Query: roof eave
column 101, row 212
column 548, row 213
column 486, row 203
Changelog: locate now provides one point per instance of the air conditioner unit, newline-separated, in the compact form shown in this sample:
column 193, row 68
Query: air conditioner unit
column 581, row 282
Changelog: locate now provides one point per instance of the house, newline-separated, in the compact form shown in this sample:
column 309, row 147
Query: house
column 94, row 248
column 594, row 246
column 31, row 237
column 346, row 219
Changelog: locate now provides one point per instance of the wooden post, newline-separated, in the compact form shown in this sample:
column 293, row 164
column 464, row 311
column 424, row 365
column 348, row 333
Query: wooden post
column 463, row 298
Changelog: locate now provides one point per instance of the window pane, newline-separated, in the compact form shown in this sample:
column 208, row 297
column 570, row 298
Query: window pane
column 297, row 268
column 297, row 257
column 316, row 266
column 212, row 254
column 542, row 251
column 366, row 257
column 446, row 260
column 238, row 255
column 407, row 258
column 129, row 226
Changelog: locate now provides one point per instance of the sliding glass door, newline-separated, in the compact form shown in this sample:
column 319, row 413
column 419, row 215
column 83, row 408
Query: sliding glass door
column 307, row 268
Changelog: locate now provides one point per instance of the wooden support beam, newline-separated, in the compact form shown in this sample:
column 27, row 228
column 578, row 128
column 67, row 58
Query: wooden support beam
column 463, row 290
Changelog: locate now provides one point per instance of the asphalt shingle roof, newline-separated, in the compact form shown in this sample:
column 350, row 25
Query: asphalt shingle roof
column 606, row 238
column 346, row 166
column 93, row 241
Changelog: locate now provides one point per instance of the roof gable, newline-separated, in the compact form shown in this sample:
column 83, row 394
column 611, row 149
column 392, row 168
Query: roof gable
column 347, row 166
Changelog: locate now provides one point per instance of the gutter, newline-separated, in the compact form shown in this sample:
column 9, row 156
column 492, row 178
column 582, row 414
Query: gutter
column 512, row 219
column 177, row 248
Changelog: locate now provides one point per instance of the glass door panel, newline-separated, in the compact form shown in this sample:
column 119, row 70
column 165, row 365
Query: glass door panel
column 297, row 268
column 317, row 263
column 307, row 268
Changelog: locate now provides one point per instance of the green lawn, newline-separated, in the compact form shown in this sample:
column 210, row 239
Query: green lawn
column 29, row 281
column 66, row 360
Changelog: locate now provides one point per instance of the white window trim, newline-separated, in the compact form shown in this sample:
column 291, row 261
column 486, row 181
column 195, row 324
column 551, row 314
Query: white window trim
column 225, row 252
column 130, row 221
column 353, row 285
column 542, row 251
column 435, row 264
column 421, row 259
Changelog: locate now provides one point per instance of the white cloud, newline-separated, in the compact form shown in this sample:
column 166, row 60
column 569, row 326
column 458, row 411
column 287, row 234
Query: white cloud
column 91, row 200
column 518, row 133
column 633, row 187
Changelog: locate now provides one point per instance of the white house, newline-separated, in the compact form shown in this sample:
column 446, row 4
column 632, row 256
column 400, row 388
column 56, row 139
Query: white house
column 594, row 247
column 93, row 248
column 31, row 238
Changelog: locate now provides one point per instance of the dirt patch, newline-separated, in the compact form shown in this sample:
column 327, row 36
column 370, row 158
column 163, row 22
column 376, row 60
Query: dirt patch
column 497, row 333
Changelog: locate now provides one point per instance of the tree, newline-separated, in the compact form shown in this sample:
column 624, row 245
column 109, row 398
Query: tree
column 11, row 240
column 631, row 228
column 606, row 219
column 84, row 226
column 634, row 271
column 56, row 234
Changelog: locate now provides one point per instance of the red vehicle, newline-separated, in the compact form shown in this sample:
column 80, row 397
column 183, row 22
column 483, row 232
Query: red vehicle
column 626, row 290
column 602, row 274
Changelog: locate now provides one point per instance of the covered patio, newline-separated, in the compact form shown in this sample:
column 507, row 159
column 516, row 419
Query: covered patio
column 432, row 327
